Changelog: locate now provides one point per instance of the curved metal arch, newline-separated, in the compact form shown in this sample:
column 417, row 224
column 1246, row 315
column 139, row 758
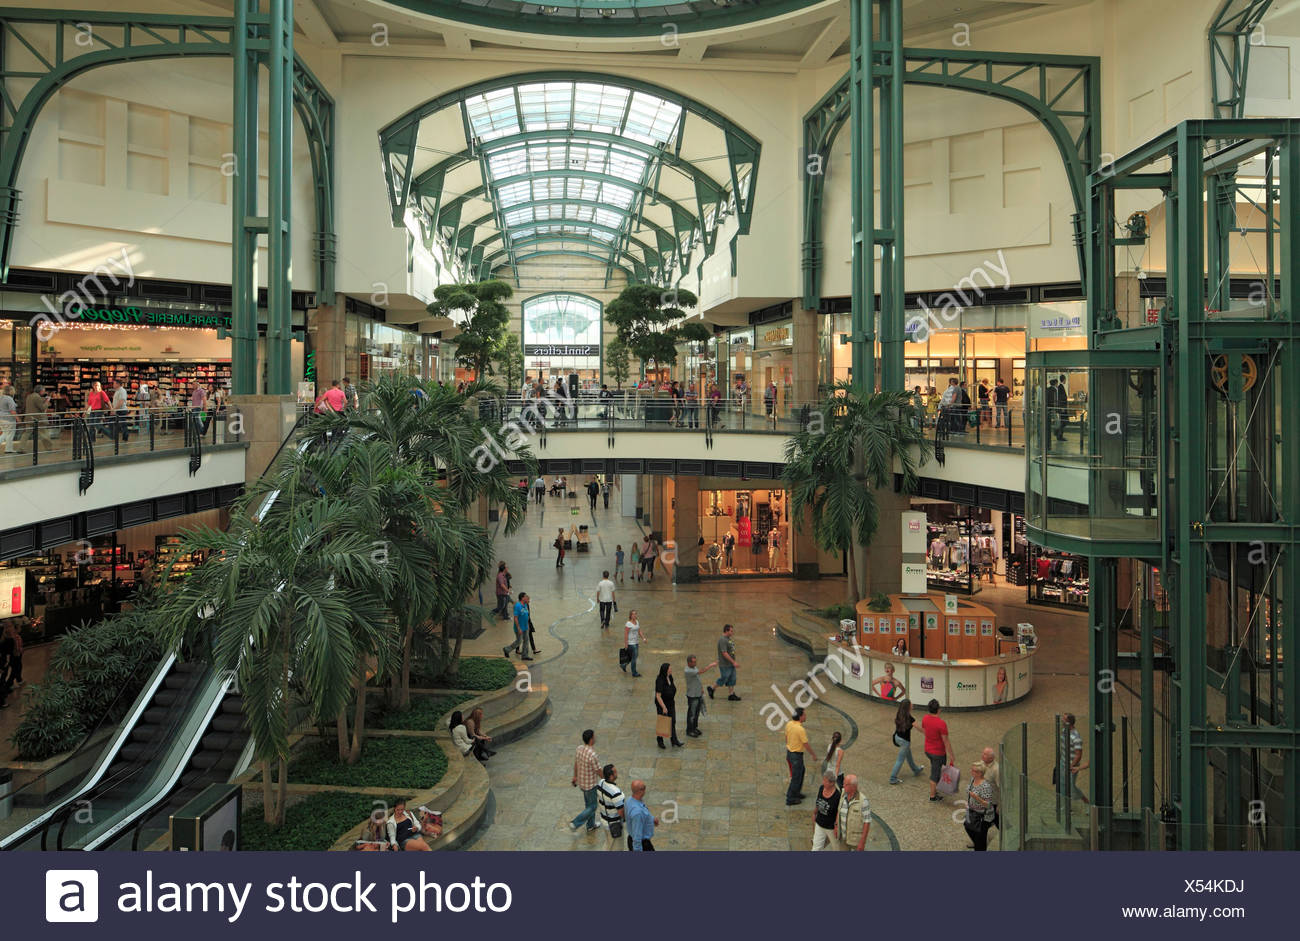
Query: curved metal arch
column 195, row 40
column 559, row 201
column 605, row 252
column 631, row 274
column 619, row 235
column 521, row 141
column 680, row 212
column 1080, row 155
column 544, row 238
column 533, row 297
column 628, row 17
column 397, row 139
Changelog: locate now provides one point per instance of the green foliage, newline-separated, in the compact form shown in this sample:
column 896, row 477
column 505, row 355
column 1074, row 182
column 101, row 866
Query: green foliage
column 427, row 713
column 53, row 722
column 836, row 464
column 510, row 361
column 839, row 612
column 647, row 319
column 313, row 824
column 401, row 763
column 616, row 361
column 879, row 602
column 476, row 673
column 478, row 310
column 95, row 674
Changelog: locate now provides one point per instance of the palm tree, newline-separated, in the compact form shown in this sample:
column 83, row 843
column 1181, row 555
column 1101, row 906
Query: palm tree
column 291, row 599
column 433, row 557
column 838, row 461
column 435, row 430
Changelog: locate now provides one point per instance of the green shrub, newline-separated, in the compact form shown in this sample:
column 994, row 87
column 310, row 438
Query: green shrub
column 313, row 824
column 52, row 723
column 389, row 762
column 426, row 714
column 95, row 674
column 879, row 602
column 481, row 673
column 839, row 612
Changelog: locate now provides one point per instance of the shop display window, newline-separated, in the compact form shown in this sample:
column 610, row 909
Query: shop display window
column 1057, row 578
column 744, row 532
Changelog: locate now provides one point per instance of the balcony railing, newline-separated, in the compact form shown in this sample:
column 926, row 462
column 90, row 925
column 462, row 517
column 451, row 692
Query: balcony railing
column 67, row 437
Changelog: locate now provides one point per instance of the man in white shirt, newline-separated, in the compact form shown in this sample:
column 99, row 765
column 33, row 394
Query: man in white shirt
column 8, row 419
column 605, row 598
column 539, row 489
column 119, row 410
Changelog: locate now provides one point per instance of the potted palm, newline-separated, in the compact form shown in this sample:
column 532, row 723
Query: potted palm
column 845, row 453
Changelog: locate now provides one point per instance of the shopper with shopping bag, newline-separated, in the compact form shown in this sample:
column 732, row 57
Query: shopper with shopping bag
column 937, row 747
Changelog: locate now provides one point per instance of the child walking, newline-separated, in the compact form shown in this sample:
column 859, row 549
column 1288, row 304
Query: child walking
column 636, row 561
column 618, row 562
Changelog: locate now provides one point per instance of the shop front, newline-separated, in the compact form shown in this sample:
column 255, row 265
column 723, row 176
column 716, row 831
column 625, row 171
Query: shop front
column 771, row 377
column 965, row 546
column 745, row 532
column 50, row 592
column 171, row 348
column 373, row 349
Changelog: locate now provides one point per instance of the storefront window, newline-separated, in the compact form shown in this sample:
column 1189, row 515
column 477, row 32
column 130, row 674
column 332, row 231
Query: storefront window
column 374, row 349
column 744, row 532
column 562, row 337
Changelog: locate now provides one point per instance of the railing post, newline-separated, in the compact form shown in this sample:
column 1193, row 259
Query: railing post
column 152, row 424
column 36, row 441
column 1024, row 784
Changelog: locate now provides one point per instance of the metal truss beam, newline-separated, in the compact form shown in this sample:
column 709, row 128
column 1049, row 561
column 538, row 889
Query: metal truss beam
column 1062, row 92
column 1231, row 30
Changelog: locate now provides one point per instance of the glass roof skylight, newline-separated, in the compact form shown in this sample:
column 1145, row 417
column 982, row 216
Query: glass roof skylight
column 497, row 118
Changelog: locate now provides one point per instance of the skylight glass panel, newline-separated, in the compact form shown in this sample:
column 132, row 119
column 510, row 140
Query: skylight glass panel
column 493, row 114
column 599, row 107
column 651, row 120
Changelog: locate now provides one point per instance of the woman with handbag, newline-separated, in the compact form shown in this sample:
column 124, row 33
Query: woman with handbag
column 665, row 706
column 979, row 807
column 902, row 739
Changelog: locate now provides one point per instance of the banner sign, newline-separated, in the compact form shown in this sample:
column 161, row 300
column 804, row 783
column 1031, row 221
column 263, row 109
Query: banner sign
column 147, row 318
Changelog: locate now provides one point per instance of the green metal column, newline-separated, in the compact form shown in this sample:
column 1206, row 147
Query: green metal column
column 1104, row 669
column 279, row 377
column 862, row 329
column 1289, row 451
column 890, row 235
column 1192, row 766
column 244, row 379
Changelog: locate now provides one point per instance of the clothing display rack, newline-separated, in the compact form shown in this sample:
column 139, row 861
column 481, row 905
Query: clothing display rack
column 1057, row 578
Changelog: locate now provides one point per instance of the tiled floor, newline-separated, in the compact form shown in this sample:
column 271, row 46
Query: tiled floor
column 722, row 791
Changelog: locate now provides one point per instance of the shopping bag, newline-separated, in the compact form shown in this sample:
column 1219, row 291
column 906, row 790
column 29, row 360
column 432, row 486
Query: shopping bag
column 949, row 778
column 663, row 726
column 624, row 656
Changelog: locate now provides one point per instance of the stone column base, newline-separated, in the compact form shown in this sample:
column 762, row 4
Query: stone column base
column 266, row 421
column 686, row 574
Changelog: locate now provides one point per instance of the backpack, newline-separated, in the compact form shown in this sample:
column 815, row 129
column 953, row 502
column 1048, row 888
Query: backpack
column 559, row 542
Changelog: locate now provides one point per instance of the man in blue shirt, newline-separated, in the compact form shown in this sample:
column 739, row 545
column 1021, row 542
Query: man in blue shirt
column 521, row 629
column 640, row 822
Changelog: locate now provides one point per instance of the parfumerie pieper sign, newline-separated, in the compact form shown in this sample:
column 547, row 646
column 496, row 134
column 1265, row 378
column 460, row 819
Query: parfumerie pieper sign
column 294, row 896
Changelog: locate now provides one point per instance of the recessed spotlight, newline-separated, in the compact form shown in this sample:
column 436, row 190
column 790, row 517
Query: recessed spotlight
column 548, row 10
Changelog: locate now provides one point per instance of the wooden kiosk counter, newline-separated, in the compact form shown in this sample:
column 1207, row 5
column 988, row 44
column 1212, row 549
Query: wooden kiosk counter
column 959, row 658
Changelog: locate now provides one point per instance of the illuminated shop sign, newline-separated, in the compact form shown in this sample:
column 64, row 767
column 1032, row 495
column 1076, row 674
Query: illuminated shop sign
column 147, row 318
column 533, row 349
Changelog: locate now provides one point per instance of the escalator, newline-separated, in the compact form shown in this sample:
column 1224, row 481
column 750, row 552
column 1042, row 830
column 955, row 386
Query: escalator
column 184, row 731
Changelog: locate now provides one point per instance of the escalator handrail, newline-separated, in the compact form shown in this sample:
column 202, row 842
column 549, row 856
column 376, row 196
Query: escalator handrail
column 120, row 738
column 180, row 755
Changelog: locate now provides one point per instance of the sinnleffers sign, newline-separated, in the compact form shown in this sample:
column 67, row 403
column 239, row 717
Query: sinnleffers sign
column 533, row 349
column 147, row 318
